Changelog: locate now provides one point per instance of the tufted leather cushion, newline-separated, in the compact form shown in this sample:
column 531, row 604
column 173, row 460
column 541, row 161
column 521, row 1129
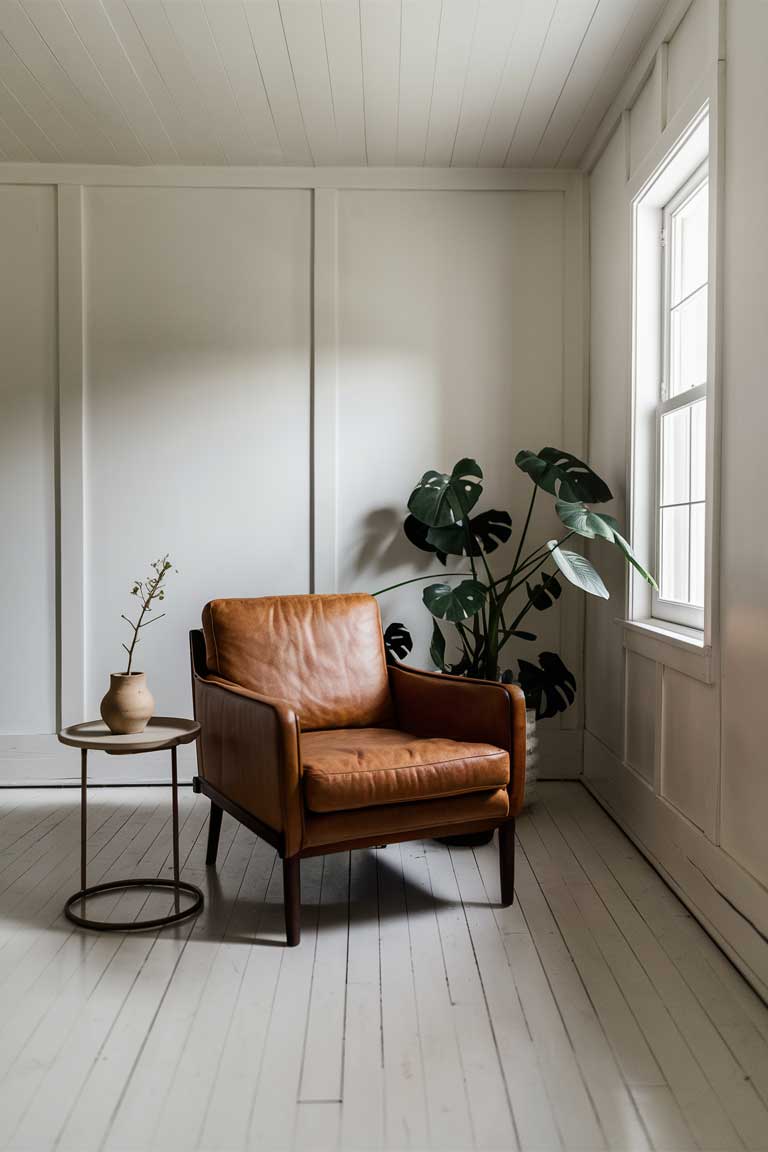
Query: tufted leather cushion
column 365, row 767
column 322, row 655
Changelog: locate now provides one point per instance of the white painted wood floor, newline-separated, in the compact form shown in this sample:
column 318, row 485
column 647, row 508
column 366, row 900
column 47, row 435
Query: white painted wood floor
column 416, row 1013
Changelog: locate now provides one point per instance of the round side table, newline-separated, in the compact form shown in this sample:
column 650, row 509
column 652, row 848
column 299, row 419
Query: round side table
column 160, row 733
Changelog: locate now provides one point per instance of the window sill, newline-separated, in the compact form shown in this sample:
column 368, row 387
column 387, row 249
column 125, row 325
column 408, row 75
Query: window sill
column 672, row 645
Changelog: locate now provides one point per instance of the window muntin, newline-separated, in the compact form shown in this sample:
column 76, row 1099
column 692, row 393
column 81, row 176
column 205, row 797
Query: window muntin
column 682, row 404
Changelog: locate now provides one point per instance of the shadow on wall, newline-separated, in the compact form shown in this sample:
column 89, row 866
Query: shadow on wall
column 383, row 546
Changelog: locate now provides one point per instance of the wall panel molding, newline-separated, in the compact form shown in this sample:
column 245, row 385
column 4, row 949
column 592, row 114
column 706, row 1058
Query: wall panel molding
column 71, row 460
column 38, row 758
column 324, row 389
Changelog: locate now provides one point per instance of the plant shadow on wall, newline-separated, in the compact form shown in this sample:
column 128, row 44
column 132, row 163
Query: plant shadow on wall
column 486, row 611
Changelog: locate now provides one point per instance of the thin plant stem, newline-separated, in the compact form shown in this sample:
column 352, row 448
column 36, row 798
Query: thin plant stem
column 416, row 579
column 149, row 590
column 524, row 532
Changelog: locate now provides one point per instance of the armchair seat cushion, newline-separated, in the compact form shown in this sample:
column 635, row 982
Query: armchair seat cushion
column 347, row 768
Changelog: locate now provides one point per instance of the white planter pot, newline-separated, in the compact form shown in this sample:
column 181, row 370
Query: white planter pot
column 531, row 757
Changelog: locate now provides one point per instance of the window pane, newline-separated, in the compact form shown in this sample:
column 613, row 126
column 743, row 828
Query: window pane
column 674, row 553
column 698, row 450
column 688, row 344
column 690, row 244
column 697, row 555
column 675, row 456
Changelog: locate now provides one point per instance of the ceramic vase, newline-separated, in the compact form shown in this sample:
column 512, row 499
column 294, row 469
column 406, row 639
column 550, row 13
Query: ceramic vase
column 128, row 704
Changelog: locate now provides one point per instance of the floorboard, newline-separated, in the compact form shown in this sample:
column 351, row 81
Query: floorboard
column 417, row 1013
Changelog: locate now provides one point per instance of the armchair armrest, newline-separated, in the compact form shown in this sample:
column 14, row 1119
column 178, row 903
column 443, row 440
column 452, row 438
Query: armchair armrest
column 250, row 753
column 459, row 708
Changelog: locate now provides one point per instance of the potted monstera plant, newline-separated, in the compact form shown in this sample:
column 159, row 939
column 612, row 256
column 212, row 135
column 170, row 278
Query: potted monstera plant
column 476, row 611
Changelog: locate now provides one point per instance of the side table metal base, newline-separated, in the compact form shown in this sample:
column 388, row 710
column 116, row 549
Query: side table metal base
column 134, row 925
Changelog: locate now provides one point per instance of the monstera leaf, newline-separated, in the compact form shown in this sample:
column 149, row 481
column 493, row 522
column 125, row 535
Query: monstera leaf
column 624, row 546
column 492, row 528
column 549, row 688
column 583, row 520
column 457, row 603
column 488, row 530
column 440, row 500
column 578, row 570
column 544, row 594
column 564, row 475
column 418, row 534
column 599, row 524
column 397, row 640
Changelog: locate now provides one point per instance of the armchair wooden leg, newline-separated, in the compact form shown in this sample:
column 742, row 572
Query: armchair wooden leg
column 214, row 828
column 292, row 899
column 507, row 861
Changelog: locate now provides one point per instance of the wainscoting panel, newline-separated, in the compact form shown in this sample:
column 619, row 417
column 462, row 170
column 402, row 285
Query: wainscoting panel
column 690, row 748
column 642, row 680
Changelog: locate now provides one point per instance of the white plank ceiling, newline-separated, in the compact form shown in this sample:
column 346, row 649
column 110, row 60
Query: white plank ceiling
column 522, row 83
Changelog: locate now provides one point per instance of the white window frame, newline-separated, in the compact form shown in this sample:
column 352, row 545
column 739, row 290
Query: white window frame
column 671, row 611
column 691, row 137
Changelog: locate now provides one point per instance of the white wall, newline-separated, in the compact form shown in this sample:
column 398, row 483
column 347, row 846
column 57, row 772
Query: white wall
column 197, row 411
column 744, row 571
column 253, row 373
column 656, row 713
column 439, row 336
column 27, row 427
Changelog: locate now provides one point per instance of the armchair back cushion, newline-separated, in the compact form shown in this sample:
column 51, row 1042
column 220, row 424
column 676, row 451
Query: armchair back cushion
column 322, row 655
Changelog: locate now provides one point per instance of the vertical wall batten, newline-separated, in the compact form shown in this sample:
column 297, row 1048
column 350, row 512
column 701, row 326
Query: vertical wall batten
column 324, row 389
column 71, row 512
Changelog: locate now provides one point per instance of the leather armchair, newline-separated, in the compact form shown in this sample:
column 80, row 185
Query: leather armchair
column 318, row 745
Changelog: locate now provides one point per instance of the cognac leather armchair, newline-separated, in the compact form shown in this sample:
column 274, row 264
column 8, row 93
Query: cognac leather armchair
column 314, row 742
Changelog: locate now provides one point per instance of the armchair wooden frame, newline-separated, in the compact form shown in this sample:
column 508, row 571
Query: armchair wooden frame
column 287, row 839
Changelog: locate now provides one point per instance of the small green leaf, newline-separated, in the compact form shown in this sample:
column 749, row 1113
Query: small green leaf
column 578, row 570
column 455, row 603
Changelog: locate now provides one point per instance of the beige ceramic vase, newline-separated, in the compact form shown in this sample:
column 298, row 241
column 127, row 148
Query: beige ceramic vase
column 128, row 705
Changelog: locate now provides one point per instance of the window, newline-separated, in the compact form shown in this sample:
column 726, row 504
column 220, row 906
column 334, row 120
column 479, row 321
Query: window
column 673, row 342
column 682, row 406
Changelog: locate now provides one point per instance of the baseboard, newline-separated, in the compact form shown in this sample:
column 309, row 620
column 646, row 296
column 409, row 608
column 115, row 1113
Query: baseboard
column 727, row 901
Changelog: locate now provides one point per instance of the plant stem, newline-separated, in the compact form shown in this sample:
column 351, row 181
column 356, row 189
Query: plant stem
column 149, row 590
column 416, row 579
column 464, row 642
column 524, row 532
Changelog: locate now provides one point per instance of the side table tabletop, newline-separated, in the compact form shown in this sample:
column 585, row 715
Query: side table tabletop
column 162, row 732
